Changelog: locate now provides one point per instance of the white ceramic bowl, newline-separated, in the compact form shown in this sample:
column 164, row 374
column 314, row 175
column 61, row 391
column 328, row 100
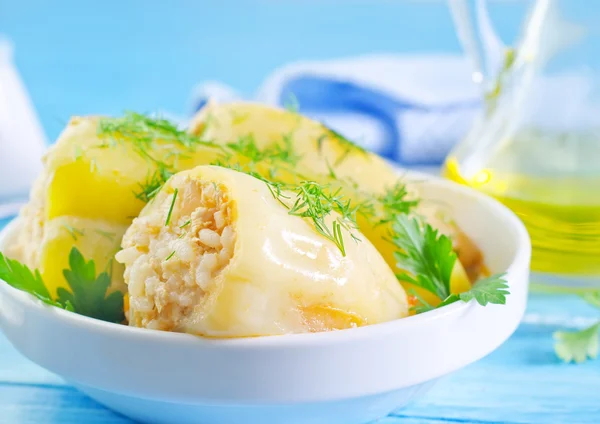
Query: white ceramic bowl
column 349, row 376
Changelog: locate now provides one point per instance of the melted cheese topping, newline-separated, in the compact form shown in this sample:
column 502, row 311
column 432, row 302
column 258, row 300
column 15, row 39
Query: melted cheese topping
column 277, row 275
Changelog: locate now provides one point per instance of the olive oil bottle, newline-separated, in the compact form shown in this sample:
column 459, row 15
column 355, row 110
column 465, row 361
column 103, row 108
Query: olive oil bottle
column 536, row 145
column 561, row 213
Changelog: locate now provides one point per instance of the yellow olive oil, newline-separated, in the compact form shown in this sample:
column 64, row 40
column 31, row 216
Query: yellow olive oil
column 561, row 213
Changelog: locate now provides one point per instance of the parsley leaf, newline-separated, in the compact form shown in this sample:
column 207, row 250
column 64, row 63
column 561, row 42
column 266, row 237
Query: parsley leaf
column 492, row 289
column 88, row 296
column 88, row 291
column 22, row 278
column 426, row 256
column 578, row 345
column 593, row 298
column 428, row 260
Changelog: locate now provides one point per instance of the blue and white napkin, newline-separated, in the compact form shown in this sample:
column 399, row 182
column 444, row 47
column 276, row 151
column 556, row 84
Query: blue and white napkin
column 410, row 109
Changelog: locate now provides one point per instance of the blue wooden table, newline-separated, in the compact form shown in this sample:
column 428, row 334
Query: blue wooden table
column 521, row 382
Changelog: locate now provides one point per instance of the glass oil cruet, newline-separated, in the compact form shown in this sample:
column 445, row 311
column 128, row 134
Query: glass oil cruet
column 536, row 145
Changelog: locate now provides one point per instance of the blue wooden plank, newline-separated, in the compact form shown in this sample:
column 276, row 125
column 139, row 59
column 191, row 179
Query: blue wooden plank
column 523, row 381
column 403, row 419
column 23, row 404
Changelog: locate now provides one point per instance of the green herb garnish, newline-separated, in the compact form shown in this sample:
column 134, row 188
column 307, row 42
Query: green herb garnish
column 154, row 183
column 291, row 104
column 394, row 202
column 427, row 259
column 580, row 345
column 88, row 291
column 593, row 298
column 247, row 148
column 422, row 305
column 426, row 255
column 22, row 278
column 170, row 256
column 315, row 202
column 283, row 152
column 186, row 223
column 492, row 289
column 88, row 296
column 275, row 187
column 73, row 231
column 577, row 346
column 171, row 207
column 275, row 155
column 143, row 133
column 107, row 234
column 382, row 209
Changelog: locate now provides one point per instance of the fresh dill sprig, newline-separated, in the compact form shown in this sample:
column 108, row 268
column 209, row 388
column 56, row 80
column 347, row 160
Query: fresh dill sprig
column 170, row 256
column 247, row 148
column 153, row 184
column 78, row 152
column 144, row 130
column 291, row 104
column 275, row 187
column 236, row 117
column 186, row 223
column 315, row 202
column 143, row 133
column 107, row 234
column 171, row 207
column 74, row 232
column 382, row 208
column 394, row 202
column 348, row 145
column 284, row 151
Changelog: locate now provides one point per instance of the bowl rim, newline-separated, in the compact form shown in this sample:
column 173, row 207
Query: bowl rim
column 520, row 258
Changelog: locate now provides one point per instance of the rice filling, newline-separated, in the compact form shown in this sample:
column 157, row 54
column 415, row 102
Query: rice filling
column 174, row 254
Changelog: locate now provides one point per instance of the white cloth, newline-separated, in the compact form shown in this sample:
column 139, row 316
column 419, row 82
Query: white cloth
column 22, row 141
column 411, row 109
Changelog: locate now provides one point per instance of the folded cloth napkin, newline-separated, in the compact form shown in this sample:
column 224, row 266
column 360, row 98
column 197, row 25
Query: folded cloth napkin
column 410, row 109
column 22, row 141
